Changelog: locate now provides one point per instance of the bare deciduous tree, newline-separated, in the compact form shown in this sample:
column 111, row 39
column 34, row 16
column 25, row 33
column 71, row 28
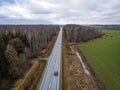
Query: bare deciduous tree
column 77, row 33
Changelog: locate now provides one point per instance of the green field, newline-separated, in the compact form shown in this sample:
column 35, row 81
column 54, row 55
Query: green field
column 111, row 32
column 104, row 56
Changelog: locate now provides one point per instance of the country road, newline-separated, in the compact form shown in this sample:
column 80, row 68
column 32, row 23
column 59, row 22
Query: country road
column 50, row 81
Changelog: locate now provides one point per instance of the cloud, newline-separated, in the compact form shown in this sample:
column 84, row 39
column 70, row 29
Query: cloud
column 60, row 12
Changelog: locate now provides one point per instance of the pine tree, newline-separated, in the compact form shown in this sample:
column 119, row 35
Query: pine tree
column 13, row 61
column 3, row 62
column 17, row 44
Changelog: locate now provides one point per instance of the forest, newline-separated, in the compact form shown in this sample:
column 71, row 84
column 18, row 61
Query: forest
column 78, row 33
column 18, row 45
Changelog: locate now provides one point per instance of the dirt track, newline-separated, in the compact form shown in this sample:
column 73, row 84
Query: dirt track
column 75, row 76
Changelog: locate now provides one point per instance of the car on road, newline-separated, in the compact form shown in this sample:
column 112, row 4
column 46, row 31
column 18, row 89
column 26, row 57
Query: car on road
column 55, row 73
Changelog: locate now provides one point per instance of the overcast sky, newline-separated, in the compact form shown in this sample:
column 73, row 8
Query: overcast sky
column 59, row 11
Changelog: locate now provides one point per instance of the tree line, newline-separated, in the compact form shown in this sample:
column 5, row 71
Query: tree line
column 77, row 33
column 108, row 27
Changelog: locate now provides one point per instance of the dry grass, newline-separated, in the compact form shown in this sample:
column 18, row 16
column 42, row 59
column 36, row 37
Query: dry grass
column 74, row 77
column 64, row 85
column 38, row 75
column 21, row 83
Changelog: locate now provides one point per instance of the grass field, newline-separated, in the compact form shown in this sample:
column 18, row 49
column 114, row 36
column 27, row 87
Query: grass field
column 111, row 32
column 104, row 56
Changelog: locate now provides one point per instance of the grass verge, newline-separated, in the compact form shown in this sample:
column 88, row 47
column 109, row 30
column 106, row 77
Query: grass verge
column 64, row 80
column 39, row 74
column 63, row 76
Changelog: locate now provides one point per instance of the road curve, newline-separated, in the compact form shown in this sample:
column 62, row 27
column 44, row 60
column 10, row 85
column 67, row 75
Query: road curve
column 50, row 81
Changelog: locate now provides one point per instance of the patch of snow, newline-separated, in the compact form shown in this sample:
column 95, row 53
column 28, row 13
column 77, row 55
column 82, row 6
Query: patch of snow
column 83, row 65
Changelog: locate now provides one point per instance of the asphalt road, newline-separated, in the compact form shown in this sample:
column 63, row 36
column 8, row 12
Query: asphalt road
column 50, row 81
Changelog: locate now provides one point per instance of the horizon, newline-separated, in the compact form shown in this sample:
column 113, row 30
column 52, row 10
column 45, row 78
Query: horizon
column 81, row 12
column 60, row 24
